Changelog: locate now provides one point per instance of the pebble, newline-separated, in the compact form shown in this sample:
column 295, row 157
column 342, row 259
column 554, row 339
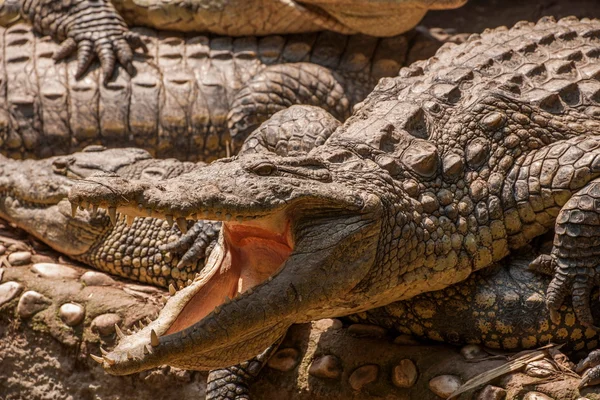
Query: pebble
column 404, row 375
column 72, row 314
column 327, row 366
column 32, row 302
column 285, row 359
column 365, row 330
column 94, row 278
column 364, row 375
column 536, row 396
column 105, row 324
column 54, row 271
column 19, row 258
column 327, row 323
column 9, row 291
column 492, row 393
column 540, row 369
column 473, row 351
column 444, row 385
column 2, row 249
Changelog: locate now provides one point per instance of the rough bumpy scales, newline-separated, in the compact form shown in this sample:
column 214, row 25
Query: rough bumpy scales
column 190, row 93
column 440, row 172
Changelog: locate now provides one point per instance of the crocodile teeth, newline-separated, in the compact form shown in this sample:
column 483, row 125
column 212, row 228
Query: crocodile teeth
column 182, row 224
column 99, row 360
column 169, row 219
column 129, row 356
column 73, row 209
column 104, row 352
column 154, row 338
column 109, row 361
column 172, row 289
column 94, row 210
column 120, row 333
column 145, row 349
column 129, row 220
column 148, row 320
column 112, row 213
column 189, row 282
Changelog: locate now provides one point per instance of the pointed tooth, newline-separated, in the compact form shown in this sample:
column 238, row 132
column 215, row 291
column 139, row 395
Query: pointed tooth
column 148, row 320
column 154, row 338
column 129, row 220
column 172, row 290
column 112, row 213
column 120, row 333
column 104, row 352
column 129, row 356
column 182, row 224
column 99, row 360
column 129, row 331
column 189, row 282
column 181, row 285
column 94, row 209
column 145, row 349
column 169, row 219
column 217, row 310
column 227, row 300
column 74, row 209
column 194, row 217
column 109, row 361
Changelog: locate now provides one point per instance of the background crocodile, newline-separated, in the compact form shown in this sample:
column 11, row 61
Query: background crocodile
column 94, row 27
column 439, row 173
column 501, row 307
column 191, row 92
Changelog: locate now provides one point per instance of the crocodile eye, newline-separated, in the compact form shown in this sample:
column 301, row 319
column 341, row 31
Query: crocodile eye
column 264, row 169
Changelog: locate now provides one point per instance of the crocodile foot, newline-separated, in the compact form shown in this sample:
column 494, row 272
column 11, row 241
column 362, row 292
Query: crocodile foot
column 92, row 28
column 196, row 243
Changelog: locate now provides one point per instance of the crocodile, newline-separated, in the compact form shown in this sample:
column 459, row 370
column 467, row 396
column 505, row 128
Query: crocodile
column 194, row 97
column 440, row 172
column 501, row 307
column 100, row 26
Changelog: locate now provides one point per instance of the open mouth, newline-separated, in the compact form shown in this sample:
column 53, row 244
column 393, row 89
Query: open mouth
column 247, row 255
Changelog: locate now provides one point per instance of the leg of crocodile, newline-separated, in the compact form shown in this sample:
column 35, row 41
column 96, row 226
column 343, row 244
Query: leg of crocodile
column 574, row 257
column 232, row 383
column 93, row 28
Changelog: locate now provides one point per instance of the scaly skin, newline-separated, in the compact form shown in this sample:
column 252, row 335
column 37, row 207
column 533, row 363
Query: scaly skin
column 95, row 27
column 436, row 175
column 194, row 97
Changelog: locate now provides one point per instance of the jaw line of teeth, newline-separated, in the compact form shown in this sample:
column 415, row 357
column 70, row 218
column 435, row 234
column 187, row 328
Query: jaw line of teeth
column 181, row 221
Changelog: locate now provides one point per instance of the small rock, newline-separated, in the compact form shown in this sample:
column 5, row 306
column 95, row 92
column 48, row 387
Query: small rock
column 405, row 340
column 19, row 258
column 327, row 366
column 182, row 375
column 105, row 324
column 473, row 351
column 492, row 393
column 327, row 323
column 54, row 271
column 94, row 278
column 444, row 385
column 9, row 291
column 32, row 302
column 284, row 360
column 404, row 375
column 72, row 314
column 536, row 396
column 365, row 330
column 2, row 249
column 540, row 369
column 363, row 376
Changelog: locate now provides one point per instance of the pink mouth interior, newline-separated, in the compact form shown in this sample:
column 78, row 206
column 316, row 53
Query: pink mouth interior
column 253, row 252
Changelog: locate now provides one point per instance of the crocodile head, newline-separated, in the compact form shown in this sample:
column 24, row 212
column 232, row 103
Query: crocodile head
column 295, row 242
column 33, row 196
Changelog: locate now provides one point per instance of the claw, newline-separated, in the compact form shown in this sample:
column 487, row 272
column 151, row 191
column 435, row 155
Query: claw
column 592, row 360
column 85, row 55
column 107, row 59
column 135, row 41
column 125, row 56
column 590, row 378
column 67, row 47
